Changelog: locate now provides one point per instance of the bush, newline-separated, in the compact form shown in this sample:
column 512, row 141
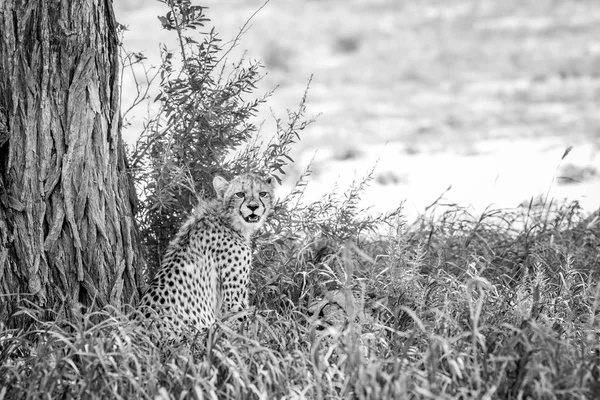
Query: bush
column 203, row 117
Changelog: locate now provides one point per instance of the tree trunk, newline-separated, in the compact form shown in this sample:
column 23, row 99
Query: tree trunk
column 67, row 231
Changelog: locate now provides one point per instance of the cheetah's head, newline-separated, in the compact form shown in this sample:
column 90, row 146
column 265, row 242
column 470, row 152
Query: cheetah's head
column 247, row 200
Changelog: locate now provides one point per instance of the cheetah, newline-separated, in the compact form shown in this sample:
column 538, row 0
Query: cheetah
column 204, row 272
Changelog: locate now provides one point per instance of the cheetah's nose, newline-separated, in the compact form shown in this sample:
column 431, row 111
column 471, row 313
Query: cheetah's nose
column 252, row 207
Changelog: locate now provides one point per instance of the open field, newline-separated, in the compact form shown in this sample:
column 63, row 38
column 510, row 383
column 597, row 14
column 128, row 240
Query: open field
column 481, row 95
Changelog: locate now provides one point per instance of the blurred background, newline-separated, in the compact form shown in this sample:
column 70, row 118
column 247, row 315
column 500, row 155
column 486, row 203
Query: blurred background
column 479, row 96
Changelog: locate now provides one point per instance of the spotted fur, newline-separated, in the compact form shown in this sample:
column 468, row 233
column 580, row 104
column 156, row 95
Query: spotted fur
column 204, row 272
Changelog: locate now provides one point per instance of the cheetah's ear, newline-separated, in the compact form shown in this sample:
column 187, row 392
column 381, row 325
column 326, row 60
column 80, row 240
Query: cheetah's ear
column 220, row 185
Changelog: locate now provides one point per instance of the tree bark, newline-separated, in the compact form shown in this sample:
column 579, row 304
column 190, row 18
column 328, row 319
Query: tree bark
column 67, row 230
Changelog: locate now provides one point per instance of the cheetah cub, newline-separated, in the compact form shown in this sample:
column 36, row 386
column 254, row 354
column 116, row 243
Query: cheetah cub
column 204, row 272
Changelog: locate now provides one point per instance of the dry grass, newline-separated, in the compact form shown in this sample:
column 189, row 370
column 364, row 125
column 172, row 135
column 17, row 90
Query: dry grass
column 385, row 70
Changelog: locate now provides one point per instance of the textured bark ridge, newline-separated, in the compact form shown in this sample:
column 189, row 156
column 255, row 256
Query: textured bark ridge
column 67, row 233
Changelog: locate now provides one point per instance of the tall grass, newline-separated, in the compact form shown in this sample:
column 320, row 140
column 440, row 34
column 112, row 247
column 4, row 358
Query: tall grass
column 502, row 306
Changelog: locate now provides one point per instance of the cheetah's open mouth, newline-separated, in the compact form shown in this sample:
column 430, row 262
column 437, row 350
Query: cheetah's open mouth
column 252, row 218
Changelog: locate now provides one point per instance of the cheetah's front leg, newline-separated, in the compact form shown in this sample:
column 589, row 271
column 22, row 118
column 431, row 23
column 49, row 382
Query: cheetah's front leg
column 234, row 282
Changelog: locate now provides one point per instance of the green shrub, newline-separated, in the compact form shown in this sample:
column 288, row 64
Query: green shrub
column 203, row 117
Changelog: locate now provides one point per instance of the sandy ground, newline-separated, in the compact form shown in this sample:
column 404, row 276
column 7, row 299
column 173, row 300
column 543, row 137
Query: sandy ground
column 480, row 96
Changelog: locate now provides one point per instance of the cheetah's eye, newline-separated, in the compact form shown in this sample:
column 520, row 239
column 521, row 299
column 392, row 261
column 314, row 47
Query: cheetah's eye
column 262, row 194
column 240, row 194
